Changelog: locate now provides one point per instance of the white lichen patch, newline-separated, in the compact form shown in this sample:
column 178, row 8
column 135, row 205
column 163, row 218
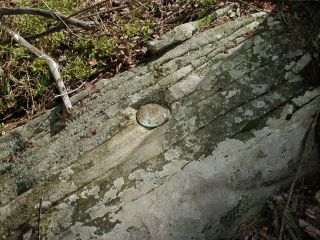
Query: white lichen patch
column 118, row 183
column 101, row 210
column 302, row 63
column 176, row 76
column 259, row 104
column 288, row 75
column 232, row 93
column 182, row 88
column 248, row 113
column 111, row 194
column 236, row 73
column 83, row 232
column 180, row 113
column 94, row 191
column 44, row 205
column 66, row 174
column 238, row 119
column 294, row 54
column 307, row 97
column 129, row 112
column 290, row 65
column 275, row 96
column 84, row 193
column 172, row 154
column 259, row 88
column 278, row 122
column 72, row 199
column 296, row 78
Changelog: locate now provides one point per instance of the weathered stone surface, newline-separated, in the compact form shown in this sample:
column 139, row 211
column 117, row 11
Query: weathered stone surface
column 152, row 115
column 185, row 31
column 238, row 116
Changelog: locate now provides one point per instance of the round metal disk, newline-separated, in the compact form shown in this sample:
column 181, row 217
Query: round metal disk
column 152, row 115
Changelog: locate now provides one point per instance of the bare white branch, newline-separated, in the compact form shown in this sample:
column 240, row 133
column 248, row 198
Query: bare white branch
column 53, row 66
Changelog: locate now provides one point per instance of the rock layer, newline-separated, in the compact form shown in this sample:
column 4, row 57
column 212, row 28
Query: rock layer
column 239, row 112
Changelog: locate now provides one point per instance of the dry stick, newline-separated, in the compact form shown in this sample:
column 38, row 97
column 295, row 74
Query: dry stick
column 45, row 33
column 103, row 12
column 39, row 219
column 62, row 26
column 75, row 90
column 300, row 158
column 46, row 13
column 60, row 19
column 53, row 66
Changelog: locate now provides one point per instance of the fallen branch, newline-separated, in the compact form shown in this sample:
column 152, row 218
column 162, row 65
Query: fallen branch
column 49, row 14
column 53, row 66
column 45, row 33
column 62, row 26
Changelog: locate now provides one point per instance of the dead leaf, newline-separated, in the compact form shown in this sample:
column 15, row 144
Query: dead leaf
column 13, row 158
column 93, row 62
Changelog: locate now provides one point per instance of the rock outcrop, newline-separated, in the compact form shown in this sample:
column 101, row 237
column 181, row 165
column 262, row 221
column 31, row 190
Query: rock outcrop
column 239, row 112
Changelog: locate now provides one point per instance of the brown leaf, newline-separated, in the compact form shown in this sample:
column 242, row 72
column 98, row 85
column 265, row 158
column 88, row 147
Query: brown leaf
column 13, row 158
column 94, row 131
column 93, row 62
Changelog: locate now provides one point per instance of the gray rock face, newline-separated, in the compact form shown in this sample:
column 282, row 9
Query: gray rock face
column 239, row 110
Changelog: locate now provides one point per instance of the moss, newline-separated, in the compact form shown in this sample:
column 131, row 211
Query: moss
column 205, row 22
column 159, row 72
column 76, row 70
column 104, row 47
column 138, row 27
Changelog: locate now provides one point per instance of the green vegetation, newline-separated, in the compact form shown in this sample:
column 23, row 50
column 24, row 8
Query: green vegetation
column 205, row 22
column 116, row 44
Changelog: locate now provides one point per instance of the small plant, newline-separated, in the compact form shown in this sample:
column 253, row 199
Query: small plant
column 76, row 70
column 205, row 22
column 103, row 47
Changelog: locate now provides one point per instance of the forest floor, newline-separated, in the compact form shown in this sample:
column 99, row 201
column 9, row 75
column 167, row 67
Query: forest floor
column 118, row 43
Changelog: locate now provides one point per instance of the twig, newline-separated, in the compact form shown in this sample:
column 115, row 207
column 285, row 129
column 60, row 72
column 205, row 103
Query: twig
column 103, row 12
column 300, row 158
column 60, row 19
column 62, row 26
column 87, row 9
column 39, row 219
column 60, row 95
column 46, row 13
column 45, row 33
column 53, row 66
column 253, row 6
